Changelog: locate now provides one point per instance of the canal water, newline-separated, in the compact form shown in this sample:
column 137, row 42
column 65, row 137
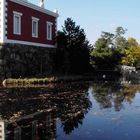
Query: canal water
column 72, row 111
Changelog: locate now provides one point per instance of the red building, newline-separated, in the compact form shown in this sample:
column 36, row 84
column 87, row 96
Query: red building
column 22, row 22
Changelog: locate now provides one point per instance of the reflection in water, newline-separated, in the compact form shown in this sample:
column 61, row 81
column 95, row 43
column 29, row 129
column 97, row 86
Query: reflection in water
column 113, row 94
column 38, row 113
column 72, row 109
column 32, row 127
column 31, row 114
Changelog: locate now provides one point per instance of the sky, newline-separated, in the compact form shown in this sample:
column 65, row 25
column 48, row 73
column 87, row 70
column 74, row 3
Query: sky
column 95, row 16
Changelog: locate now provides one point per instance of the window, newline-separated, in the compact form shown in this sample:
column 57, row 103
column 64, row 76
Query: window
column 49, row 30
column 17, row 23
column 35, row 27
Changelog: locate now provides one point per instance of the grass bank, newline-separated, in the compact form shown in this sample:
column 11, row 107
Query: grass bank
column 45, row 81
column 96, row 76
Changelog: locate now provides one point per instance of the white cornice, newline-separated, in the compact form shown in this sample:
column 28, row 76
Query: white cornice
column 28, row 43
column 17, row 13
column 34, row 18
column 35, row 7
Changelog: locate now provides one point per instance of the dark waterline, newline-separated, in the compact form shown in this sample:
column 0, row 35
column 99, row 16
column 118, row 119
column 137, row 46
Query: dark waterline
column 74, row 111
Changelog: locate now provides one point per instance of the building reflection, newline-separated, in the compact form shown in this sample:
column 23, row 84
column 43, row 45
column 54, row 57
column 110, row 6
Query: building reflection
column 32, row 114
column 37, row 126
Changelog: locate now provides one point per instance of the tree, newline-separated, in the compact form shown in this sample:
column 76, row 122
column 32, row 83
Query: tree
column 75, row 35
column 62, row 55
column 132, row 54
column 120, row 42
column 76, row 46
column 120, row 31
column 61, row 40
column 109, row 49
column 133, row 42
column 104, row 55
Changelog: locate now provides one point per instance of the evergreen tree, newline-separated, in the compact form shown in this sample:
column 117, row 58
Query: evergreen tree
column 76, row 47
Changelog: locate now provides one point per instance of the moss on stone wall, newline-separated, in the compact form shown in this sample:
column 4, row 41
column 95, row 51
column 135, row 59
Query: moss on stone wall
column 24, row 61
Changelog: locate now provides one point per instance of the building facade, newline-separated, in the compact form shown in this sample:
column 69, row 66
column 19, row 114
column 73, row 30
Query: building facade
column 22, row 22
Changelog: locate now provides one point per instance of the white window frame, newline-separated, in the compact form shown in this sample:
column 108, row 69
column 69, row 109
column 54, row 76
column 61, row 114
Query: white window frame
column 15, row 26
column 49, row 32
column 35, row 20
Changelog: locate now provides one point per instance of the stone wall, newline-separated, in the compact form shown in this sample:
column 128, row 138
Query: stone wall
column 25, row 61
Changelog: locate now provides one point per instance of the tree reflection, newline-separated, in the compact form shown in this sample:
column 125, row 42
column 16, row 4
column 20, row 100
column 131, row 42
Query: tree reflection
column 72, row 109
column 113, row 94
column 68, row 102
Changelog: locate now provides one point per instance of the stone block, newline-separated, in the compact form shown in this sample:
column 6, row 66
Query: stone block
column 25, row 60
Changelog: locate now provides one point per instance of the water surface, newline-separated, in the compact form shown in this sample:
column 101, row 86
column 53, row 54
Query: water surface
column 83, row 111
